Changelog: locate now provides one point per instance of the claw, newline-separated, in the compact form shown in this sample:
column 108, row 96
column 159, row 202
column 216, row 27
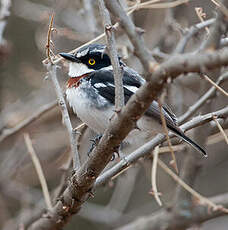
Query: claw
column 95, row 142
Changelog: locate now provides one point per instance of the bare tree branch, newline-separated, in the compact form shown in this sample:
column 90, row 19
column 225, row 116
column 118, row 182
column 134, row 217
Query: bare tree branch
column 81, row 183
column 208, row 95
column 141, row 51
column 147, row 148
column 4, row 13
column 171, row 221
column 5, row 133
column 65, row 115
column 39, row 170
column 111, row 45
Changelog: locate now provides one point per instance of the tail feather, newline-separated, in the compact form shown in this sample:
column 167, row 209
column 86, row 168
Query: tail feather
column 181, row 134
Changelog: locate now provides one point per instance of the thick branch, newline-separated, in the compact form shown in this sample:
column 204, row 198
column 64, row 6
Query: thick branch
column 168, row 220
column 82, row 182
column 149, row 146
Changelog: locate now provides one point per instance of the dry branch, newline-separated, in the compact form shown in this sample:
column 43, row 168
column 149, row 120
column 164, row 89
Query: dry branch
column 153, row 176
column 42, row 110
column 62, row 104
column 111, row 45
column 82, row 182
column 149, row 146
column 39, row 170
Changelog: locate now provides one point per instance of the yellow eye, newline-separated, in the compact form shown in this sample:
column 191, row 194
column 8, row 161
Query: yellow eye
column 91, row 61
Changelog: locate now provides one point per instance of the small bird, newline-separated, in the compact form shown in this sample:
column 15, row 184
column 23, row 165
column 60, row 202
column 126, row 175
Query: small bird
column 91, row 93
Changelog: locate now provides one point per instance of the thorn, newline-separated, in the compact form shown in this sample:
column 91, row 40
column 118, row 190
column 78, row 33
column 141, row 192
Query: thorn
column 136, row 127
column 117, row 111
column 65, row 208
column 139, row 31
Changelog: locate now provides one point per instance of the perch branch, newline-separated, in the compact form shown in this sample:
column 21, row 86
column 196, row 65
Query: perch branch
column 83, row 180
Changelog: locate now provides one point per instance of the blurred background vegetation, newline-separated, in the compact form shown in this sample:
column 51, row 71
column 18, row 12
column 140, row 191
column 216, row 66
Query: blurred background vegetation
column 25, row 89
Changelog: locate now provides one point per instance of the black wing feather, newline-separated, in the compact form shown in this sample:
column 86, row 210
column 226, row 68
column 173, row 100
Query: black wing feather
column 131, row 78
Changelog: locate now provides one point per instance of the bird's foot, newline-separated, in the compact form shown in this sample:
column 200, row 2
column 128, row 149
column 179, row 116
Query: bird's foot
column 95, row 142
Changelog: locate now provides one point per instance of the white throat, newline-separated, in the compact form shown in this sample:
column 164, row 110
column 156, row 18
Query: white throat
column 78, row 69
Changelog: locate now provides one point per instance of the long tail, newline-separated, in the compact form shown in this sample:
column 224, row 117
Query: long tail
column 178, row 132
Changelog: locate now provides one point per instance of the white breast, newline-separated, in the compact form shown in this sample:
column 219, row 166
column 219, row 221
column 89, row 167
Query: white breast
column 96, row 119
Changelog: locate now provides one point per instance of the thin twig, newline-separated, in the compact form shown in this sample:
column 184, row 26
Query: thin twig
column 4, row 13
column 221, row 129
column 201, row 16
column 163, row 5
column 203, row 200
column 152, row 5
column 149, row 146
column 201, row 101
column 48, row 46
column 65, row 115
column 62, row 104
column 221, row 6
column 153, row 176
column 144, row 55
column 165, row 129
column 214, row 84
column 80, row 126
column 42, row 110
column 190, row 33
column 39, row 170
column 99, row 37
column 111, row 45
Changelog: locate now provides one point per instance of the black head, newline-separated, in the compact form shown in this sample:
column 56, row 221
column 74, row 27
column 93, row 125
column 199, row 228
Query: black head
column 93, row 56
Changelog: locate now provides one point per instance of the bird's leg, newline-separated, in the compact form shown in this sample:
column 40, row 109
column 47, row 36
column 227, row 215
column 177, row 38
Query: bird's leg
column 118, row 152
column 95, row 142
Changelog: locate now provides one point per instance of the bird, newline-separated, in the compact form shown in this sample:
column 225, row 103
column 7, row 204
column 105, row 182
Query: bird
column 90, row 91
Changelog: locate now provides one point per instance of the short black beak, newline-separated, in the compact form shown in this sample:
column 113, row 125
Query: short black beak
column 69, row 57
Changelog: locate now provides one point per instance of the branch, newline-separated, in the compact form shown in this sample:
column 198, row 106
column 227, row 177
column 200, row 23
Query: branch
column 149, row 146
column 5, row 133
column 66, row 118
column 4, row 13
column 214, row 84
column 39, row 170
column 153, row 176
column 111, row 45
column 208, row 95
column 83, row 180
column 141, row 51
column 171, row 221
column 65, row 115
column 193, row 30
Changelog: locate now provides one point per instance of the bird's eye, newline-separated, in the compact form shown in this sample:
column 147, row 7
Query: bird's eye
column 91, row 61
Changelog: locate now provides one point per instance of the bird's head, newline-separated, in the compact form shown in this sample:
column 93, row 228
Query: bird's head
column 87, row 59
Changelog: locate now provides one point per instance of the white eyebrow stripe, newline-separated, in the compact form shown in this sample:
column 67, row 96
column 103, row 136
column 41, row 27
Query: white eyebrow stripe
column 82, row 53
column 131, row 88
column 100, row 85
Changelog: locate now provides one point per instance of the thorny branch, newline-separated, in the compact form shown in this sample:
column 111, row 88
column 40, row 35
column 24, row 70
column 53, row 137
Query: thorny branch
column 82, row 182
column 66, row 118
column 148, row 147
column 85, row 177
